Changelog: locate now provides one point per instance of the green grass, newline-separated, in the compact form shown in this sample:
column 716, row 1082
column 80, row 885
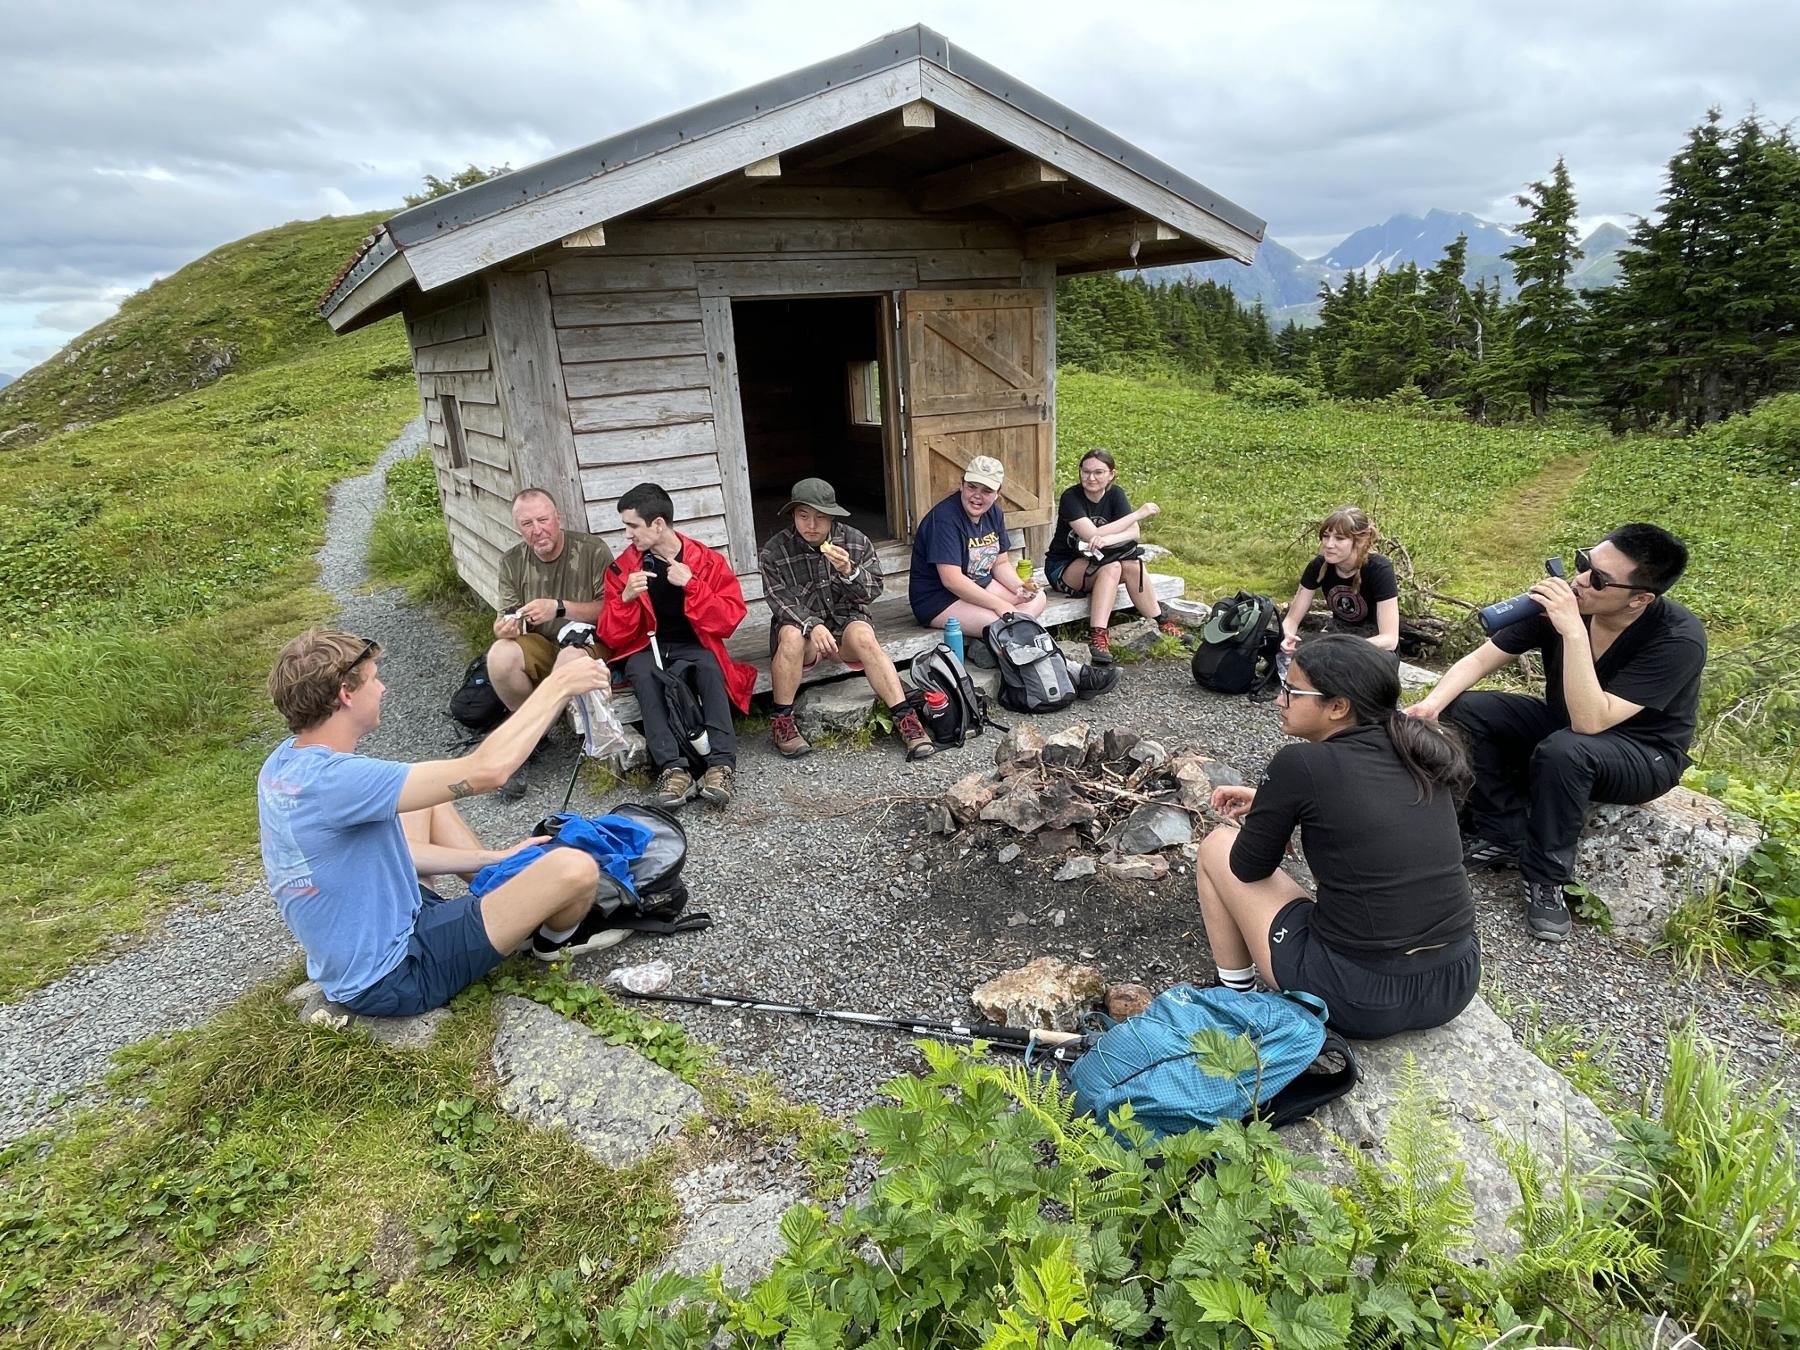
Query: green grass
column 409, row 547
column 150, row 565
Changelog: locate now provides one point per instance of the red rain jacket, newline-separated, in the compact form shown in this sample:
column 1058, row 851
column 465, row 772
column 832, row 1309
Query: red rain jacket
column 714, row 604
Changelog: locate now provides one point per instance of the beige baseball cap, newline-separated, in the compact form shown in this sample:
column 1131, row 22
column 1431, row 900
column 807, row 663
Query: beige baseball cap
column 986, row 470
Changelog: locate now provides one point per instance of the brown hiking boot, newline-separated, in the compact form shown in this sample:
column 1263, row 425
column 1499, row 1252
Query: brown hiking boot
column 911, row 732
column 715, row 786
column 674, row 787
column 785, row 732
column 1169, row 628
column 1100, row 646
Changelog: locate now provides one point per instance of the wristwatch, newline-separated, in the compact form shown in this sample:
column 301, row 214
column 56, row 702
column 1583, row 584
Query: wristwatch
column 562, row 610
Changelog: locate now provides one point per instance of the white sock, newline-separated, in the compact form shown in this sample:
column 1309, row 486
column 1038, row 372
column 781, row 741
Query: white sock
column 556, row 934
column 1243, row 980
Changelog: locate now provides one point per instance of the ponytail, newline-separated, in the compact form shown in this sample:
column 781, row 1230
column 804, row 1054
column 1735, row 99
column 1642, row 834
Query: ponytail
column 1341, row 666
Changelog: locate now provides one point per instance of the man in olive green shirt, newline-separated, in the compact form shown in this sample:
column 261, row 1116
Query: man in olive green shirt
column 551, row 578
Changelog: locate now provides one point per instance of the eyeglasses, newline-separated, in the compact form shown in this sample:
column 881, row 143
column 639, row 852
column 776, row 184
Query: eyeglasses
column 368, row 648
column 1600, row 581
column 1292, row 692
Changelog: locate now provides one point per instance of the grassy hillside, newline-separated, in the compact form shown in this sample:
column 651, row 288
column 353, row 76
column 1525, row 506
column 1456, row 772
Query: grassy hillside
column 150, row 564
column 240, row 308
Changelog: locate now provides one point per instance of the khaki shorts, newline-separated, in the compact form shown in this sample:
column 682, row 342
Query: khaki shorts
column 540, row 655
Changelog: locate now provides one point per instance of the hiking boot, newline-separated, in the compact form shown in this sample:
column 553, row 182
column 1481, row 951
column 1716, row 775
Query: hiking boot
column 1169, row 628
column 590, row 935
column 1489, row 853
column 715, row 786
column 516, row 786
column 1100, row 646
column 913, row 737
column 674, row 787
column 785, row 732
column 1547, row 911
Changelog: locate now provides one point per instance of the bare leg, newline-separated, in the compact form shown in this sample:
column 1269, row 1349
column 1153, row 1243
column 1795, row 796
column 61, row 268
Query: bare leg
column 1237, row 914
column 860, row 645
column 556, row 890
column 1102, row 595
column 506, row 668
column 973, row 618
column 1031, row 606
column 442, row 825
column 786, row 665
column 1142, row 593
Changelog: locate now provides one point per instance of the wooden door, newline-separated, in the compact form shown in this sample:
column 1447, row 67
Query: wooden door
column 978, row 383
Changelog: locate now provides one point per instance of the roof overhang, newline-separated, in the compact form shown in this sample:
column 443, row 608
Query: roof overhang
column 444, row 240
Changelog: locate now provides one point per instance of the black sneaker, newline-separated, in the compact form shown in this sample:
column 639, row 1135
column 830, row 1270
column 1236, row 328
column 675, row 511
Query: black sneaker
column 1547, row 911
column 516, row 786
column 590, row 935
column 1479, row 853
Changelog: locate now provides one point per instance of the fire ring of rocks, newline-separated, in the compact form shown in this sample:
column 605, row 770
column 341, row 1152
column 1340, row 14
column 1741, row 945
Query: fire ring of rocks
column 1115, row 800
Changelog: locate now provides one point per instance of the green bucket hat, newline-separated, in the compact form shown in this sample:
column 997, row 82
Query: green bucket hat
column 1228, row 620
column 816, row 493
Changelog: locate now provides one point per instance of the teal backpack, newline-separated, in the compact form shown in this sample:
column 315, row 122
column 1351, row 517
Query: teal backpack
column 1149, row 1061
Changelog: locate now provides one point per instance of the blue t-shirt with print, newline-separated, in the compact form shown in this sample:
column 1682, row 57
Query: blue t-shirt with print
column 337, row 861
column 947, row 535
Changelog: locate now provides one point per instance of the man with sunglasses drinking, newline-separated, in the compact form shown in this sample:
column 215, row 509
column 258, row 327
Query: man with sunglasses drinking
column 1622, row 669
column 348, row 841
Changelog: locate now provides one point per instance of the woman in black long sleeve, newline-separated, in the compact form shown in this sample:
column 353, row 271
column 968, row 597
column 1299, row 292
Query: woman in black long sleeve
column 1389, row 943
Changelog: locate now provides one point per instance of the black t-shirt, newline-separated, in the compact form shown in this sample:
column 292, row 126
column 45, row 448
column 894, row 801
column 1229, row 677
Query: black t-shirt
column 1352, row 606
column 1656, row 663
column 1389, row 866
column 1076, row 506
column 669, row 601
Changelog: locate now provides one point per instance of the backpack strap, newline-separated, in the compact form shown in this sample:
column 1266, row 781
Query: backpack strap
column 1308, row 1092
column 1311, row 1002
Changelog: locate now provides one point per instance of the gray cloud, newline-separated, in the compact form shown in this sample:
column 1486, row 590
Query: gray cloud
column 134, row 138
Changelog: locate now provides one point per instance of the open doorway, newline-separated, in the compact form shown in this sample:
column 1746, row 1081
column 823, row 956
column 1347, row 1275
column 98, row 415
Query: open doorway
column 810, row 382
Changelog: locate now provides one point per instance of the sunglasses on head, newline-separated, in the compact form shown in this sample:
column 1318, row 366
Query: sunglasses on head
column 368, row 648
column 1600, row 581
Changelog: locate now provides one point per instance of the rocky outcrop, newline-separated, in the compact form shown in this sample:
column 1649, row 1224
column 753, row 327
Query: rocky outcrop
column 1643, row 861
column 733, row 1222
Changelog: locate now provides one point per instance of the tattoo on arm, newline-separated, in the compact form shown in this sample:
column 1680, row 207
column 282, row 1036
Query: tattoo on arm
column 460, row 789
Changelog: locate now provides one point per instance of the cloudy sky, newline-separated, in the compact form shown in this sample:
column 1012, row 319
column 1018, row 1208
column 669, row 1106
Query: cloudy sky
column 134, row 136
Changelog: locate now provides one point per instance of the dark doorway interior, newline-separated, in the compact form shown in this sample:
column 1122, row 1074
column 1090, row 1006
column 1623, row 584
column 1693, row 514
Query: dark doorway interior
column 809, row 379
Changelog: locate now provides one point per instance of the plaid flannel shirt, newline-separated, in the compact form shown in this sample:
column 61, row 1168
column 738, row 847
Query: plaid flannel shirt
column 803, row 589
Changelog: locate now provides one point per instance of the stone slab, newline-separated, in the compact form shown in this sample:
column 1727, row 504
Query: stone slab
column 406, row 1033
column 1643, row 861
column 841, row 706
column 732, row 1222
column 557, row 1074
column 1490, row 1087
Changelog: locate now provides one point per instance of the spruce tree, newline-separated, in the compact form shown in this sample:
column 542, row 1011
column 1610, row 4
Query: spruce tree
column 1545, row 349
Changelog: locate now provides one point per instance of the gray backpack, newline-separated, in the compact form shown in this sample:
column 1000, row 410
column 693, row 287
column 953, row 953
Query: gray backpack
column 1034, row 676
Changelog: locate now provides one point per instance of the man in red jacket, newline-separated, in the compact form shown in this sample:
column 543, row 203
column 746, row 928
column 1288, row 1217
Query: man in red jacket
column 677, row 589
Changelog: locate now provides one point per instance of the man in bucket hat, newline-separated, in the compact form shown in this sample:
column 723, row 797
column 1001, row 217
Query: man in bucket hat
column 819, row 578
column 962, row 563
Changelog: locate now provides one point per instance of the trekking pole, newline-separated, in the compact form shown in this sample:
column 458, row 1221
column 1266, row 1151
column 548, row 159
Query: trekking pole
column 1059, row 1045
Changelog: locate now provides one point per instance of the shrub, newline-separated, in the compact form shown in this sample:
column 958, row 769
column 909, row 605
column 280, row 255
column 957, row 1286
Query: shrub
column 1767, row 437
column 1272, row 391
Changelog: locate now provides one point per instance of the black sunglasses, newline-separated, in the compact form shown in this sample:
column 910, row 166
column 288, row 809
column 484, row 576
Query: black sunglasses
column 368, row 649
column 1600, row 581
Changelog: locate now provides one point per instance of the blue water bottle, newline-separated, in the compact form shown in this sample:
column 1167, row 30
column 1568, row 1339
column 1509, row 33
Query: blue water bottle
column 953, row 636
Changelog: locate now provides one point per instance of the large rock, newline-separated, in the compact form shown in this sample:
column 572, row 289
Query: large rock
column 731, row 1222
column 1193, row 785
column 968, row 794
column 1049, row 993
column 1021, row 749
column 1643, row 861
column 1138, row 867
column 404, row 1033
column 1416, row 677
column 1187, row 613
column 558, row 1075
column 1134, row 635
column 1019, row 807
column 1489, row 1087
column 1151, row 827
column 840, row 706
column 1067, row 749
column 1064, row 807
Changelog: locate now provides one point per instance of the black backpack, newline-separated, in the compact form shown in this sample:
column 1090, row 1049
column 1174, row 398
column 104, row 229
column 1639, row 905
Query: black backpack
column 475, row 704
column 965, row 710
column 1034, row 674
column 655, row 875
column 1238, row 645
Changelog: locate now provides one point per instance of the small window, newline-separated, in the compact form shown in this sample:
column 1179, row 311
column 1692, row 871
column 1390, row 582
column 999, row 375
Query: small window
column 865, row 393
column 453, row 432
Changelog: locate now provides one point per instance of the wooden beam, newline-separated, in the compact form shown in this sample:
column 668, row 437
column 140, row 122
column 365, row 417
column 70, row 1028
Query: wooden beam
column 986, row 179
column 764, row 168
column 533, row 400
column 594, row 236
column 1112, row 233
column 883, row 132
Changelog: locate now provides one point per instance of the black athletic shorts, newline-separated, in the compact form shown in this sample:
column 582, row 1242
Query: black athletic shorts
column 1370, row 998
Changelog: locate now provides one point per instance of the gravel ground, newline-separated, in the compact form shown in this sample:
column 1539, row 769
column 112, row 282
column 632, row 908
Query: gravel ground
column 825, row 889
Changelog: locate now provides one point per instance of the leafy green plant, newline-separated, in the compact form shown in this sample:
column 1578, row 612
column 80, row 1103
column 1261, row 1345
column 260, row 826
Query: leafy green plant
column 351, row 1305
column 660, row 1042
column 1751, row 919
column 1263, row 390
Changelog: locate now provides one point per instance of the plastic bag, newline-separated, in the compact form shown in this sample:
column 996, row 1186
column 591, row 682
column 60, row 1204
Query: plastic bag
column 601, row 735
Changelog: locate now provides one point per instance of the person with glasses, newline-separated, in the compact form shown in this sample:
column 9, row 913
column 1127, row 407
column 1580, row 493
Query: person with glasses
column 348, row 841
column 962, row 563
column 1622, row 667
column 1095, row 549
column 1389, row 943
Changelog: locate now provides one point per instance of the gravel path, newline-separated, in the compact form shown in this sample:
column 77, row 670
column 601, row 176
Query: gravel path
column 825, row 889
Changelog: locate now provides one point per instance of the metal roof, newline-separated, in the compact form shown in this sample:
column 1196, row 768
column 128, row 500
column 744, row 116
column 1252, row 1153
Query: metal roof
column 443, row 215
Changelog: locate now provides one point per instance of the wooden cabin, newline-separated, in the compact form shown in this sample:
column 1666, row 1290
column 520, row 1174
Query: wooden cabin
column 848, row 272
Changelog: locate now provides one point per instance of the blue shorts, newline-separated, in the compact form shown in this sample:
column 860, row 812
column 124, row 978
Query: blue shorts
column 448, row 951
column 1371, row 997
